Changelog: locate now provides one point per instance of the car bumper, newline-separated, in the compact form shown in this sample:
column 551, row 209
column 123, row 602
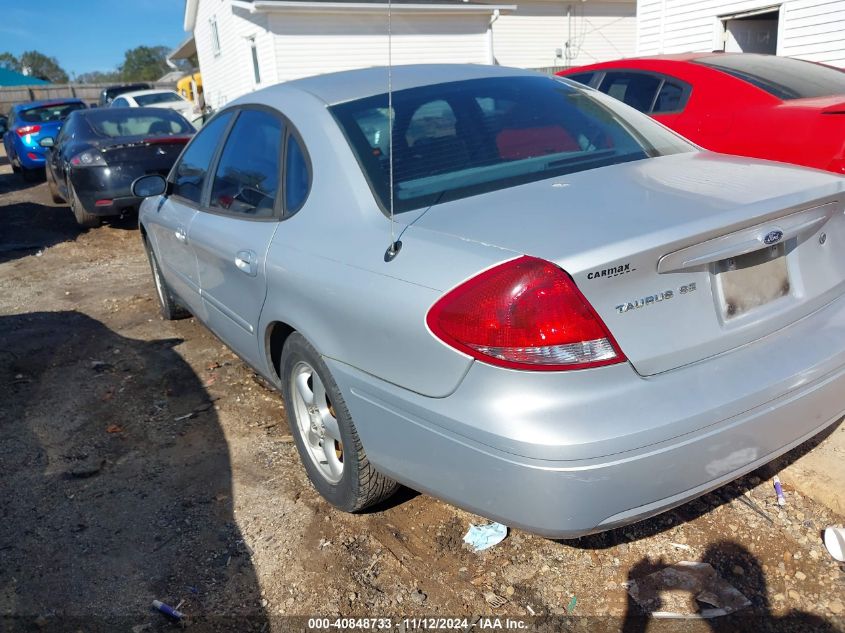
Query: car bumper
column 571, row 453
column 29, row 157
column 106, row 191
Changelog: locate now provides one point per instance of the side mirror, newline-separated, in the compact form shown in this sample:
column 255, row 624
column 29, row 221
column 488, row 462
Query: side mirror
column 47, row 141
column 148, row 186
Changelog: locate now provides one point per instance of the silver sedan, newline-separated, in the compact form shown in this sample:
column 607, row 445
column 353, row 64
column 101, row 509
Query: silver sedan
column 508, row 291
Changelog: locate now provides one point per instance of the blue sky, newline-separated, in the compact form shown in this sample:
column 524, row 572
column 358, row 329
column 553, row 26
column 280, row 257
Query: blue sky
column 86, row 35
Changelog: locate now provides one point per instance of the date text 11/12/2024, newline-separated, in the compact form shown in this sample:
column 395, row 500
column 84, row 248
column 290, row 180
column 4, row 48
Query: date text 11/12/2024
column 421, row 624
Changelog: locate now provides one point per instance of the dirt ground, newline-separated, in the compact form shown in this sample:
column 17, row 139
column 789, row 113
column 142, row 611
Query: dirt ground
column 141, row 460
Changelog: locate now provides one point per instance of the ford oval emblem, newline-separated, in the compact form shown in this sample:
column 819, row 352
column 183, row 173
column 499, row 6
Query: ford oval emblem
column 773, row 237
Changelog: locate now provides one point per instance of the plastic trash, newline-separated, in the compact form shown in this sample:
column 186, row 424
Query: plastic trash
column 779, row 491
column 167, row 610
column 481, row 537
column 834, row 541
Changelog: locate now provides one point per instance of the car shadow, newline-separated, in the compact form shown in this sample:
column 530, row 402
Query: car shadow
column 117, row 486
column 697, row 507
column 724, row 556
column 30, row 227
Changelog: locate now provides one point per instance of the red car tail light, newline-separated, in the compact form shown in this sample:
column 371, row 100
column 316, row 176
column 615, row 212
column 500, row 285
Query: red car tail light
column 524, row 314
column 88, row 158
column 28, row 129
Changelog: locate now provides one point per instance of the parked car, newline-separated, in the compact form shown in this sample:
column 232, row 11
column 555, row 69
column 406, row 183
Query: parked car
column 576, row 319
column 28, row 123
column 4, row 124
column 736, row 103
column 157, row 99
column 99, row 152
column 108, row 93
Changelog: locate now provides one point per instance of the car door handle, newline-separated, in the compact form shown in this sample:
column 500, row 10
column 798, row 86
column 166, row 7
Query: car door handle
column 246, row 262
column 180, row 234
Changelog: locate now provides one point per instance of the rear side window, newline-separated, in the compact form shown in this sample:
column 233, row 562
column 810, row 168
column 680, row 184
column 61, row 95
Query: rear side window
column 636, row 89
column 247, row 177
column 647, row 92
column 297, row 179
column 783, row 77
column 120, row 102
column 190, row 172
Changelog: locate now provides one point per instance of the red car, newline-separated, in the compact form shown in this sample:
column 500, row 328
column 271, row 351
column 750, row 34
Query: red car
column 752, row 105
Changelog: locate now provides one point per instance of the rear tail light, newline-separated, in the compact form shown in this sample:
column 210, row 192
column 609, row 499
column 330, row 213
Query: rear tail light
column 524, row 314
column 88, row 158
column 105, row 202
column 28, row 129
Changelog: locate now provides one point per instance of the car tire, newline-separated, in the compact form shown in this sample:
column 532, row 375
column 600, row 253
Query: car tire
column 316, row 411
column 54, row 192
column 171, row 309
column 83, row 218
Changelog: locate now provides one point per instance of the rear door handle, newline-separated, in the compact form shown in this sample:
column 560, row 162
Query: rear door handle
column 246, row 261
column 180, row 234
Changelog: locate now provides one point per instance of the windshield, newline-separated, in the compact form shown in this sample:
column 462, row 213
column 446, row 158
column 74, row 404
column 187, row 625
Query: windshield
column 116, row 123
column 782, row 77
column 156, row 97
column 47, row 113
column 464, row 138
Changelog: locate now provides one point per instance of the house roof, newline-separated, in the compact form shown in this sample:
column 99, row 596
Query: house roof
column 13, row 78
column 400, row 6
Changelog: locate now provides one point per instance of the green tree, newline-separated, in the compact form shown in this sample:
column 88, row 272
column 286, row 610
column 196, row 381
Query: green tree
column 9, row 62
column 99, row 77
column 145, row 63
column 39, row 65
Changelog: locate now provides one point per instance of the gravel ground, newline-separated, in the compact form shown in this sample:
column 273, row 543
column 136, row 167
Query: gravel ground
column 142, row 460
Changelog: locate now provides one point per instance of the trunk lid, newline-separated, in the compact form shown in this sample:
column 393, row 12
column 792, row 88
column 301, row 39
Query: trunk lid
column 155, row 155
column 685, row 256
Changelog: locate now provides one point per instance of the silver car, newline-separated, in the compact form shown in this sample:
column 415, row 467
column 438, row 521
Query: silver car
column 575, row 320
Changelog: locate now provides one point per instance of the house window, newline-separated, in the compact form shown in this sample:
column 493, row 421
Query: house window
column 254, row 52
column 215, row 36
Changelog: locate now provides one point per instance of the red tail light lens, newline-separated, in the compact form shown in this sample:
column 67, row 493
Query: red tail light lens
column 524, row 314
column 28, row 129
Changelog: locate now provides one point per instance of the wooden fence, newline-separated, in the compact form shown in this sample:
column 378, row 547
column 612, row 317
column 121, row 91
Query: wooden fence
column 90, row 93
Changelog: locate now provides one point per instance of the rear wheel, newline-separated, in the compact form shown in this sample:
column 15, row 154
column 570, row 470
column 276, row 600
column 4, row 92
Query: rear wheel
column 325, row 435
column 83, row 218
column 54, row 192
column 170, row 308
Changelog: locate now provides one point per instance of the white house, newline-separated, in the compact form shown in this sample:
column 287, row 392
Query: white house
column 808, row 29
column 550, row 33
column 243, row 45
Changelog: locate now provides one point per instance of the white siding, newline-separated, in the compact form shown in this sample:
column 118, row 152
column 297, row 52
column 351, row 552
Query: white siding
column 314, row 43
column 229, row 75
column 809, row 29
column 599, row 31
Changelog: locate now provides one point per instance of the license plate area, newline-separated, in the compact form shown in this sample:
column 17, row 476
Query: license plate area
column 749, row 281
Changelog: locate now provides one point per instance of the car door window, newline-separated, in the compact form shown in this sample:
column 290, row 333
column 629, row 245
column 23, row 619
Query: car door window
column 120, row 102
column 581, row 78
column 247, row 177
column 189, row 174
column 297, row 176
column 638, row 90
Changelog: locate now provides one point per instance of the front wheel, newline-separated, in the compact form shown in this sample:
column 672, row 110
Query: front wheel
column 325, row 435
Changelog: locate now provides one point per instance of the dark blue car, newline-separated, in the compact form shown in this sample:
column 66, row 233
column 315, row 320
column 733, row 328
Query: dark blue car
column 27, row 124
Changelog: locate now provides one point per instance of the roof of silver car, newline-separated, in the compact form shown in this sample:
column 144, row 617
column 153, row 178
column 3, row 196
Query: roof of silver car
column 348, row 85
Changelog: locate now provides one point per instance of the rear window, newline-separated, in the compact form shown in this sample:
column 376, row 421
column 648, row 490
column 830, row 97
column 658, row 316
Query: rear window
column 783, row 77
column 47, row 113
column 156, row 97
column 464, row 138
column 116, row 123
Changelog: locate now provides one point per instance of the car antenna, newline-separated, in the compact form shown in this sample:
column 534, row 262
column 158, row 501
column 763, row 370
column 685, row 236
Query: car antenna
column 395, row 245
